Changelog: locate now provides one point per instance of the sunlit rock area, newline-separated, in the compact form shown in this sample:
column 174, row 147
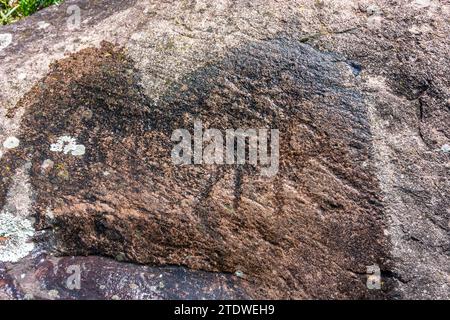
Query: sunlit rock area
column 226, row 150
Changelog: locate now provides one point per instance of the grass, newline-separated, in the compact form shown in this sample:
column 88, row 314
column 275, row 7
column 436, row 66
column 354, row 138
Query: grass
column 13, row 10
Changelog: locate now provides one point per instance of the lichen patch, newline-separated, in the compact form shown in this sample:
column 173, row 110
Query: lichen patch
column 16, row 226
column 5, row 40
column 68, row 145
column 11, row 143
column 16, row 232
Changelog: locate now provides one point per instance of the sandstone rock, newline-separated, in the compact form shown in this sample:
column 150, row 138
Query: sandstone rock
column 46, row 277
column 361, row 111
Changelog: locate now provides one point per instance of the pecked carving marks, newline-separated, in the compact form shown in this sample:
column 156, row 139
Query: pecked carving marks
column 310, row 231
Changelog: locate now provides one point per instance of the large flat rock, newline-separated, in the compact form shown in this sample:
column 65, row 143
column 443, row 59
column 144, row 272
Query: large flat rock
column 360, row 100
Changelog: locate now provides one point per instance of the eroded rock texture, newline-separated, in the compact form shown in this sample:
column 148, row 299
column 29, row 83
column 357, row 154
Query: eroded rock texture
column 346, row 195
column 305, row 232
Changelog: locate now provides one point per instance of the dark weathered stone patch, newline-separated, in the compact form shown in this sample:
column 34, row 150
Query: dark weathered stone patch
column 47, row 277
column 308, row 232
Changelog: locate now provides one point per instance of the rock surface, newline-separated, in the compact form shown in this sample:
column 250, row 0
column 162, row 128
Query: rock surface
column 358, row 91
column 93, row 277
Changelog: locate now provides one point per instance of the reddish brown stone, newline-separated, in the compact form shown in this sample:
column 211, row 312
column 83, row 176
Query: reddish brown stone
column 310, row 231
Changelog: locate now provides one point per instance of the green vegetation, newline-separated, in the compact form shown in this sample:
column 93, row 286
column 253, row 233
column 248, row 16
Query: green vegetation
column 12, row 10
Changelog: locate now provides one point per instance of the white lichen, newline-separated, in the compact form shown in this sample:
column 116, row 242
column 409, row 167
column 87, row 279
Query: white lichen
column 17, row 232
column 373, row 9
column 445, row 148
column 5, row 40
column 11, row 143
column 68, row 144
column 43, row 24
column 16, row 225
column 78, row 150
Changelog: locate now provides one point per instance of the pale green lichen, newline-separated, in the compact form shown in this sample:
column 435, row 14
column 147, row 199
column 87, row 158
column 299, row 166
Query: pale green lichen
column 16, row 225
column 67, row 144
column 17, row 232
column 11, row 143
